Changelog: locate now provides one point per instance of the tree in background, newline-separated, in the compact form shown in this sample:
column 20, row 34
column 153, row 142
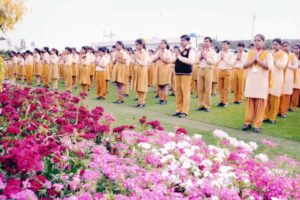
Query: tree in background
column 11, row 11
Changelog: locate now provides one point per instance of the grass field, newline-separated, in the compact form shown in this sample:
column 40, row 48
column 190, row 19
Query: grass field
column 286, row 133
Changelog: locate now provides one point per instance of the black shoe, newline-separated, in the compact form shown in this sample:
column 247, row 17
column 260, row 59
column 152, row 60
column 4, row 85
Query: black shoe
column 213, row 95
column 135, row 99
column 160, row 101
column 163, row 103
column 125, row 95
column 282, row 116
column 172, row 94
column 225, row 105
column 256, row 130
column 182, row 115
column 206, row 109
column 176, row 114
column 237, row 102
column 291, row 110
column 119, row 102
column 200, row 109
column 140, row 105
column 272, row 122
column 156, row 97
column 196, row 97
column 246, row 127
column 266, row 121
column 220, row 104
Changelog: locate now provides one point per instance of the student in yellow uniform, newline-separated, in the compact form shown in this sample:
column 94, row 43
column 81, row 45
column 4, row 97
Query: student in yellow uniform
column 258, row 65
column 224, row 66
column 194, row 85
column 184, row 59
column 75, row 68
column 107, row 70
column 68, row 69
column 92, row 67
column 37, row 66
column 163, row 58
column 140, row 84
column 238, row 79
column 173, row 75
column 280, row 62
column 296, row 89
column 22, row 69
column 119, row 73
column 85, row 64
column 289, row 80
column 150, row 69
column 15, row 61
column 61, row 63
column 102, row 62
column 28, row 64
column 46, row 67
column 9, row 69
column 215, row 76
column 54, row 60
column 127, row 84
column 207, row 61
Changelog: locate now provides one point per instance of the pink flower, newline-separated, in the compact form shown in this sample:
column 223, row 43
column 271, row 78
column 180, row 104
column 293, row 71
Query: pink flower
column 13, row 186
column 269, row 143
column 181, row 131
column 24, row 195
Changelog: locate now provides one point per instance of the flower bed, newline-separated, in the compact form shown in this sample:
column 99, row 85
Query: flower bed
column 53, row 146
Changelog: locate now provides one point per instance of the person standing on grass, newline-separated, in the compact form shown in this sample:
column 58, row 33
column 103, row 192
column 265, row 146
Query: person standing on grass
column 68, row 69
column 224, row 66
column 75, row 69
column 290, row 77
column 37, row 66
column 28, row 64
column 54, row 68
column 85, row 64
column 280, row 62
column 22, row 71
column 258, row 65
column 296, row 88
column 119, row 71
column 46, row 67
column 184, row 59
column 207, row 60
column 163, row 58
column 102, row 62
column 140, row 84
column 238, row 79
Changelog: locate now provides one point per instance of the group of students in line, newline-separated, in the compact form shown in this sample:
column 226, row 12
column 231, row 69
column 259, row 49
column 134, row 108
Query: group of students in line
column 269, row 79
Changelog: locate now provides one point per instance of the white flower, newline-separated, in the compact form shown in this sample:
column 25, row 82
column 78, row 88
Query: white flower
column 144, row 145
column 188, row 152
column 220, row 134
column 163, row 151
column 214, row 198
column 174, row 178
column 224, row 169
column 206, row 163
column 220, row 156
column 167, row 157
column 171, row 134
column 197, row 136
column 183, row 144
column 194, row 148
column 173, row 165
column 186, row 164
column 199, row 182
column 165, row 173
column 262, row 157
column 253, row 145
column 187, row 184
column 170, row 146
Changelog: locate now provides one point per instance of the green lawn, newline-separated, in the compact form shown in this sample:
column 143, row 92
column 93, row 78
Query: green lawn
column 286, row 132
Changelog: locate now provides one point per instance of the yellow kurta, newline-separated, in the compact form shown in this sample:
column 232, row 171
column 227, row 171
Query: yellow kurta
column 120, row 70
column 140, row 83
column 163, row 73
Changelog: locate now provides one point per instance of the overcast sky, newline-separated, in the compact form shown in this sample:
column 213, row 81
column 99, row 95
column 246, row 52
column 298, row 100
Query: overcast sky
column 60, row 23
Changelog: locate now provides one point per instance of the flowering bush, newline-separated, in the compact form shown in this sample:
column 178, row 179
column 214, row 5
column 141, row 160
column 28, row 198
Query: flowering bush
column 54, row 147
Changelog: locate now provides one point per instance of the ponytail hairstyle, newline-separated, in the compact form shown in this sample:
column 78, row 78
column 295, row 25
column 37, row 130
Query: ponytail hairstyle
column 68, row 49
column 55, row 51
column 166, row 43
column 46, row 49
column 37, row 51
column 119, row 43
column 141, row 42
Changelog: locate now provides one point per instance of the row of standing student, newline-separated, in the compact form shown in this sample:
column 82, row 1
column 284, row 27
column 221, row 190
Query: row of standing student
column 182, row 68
